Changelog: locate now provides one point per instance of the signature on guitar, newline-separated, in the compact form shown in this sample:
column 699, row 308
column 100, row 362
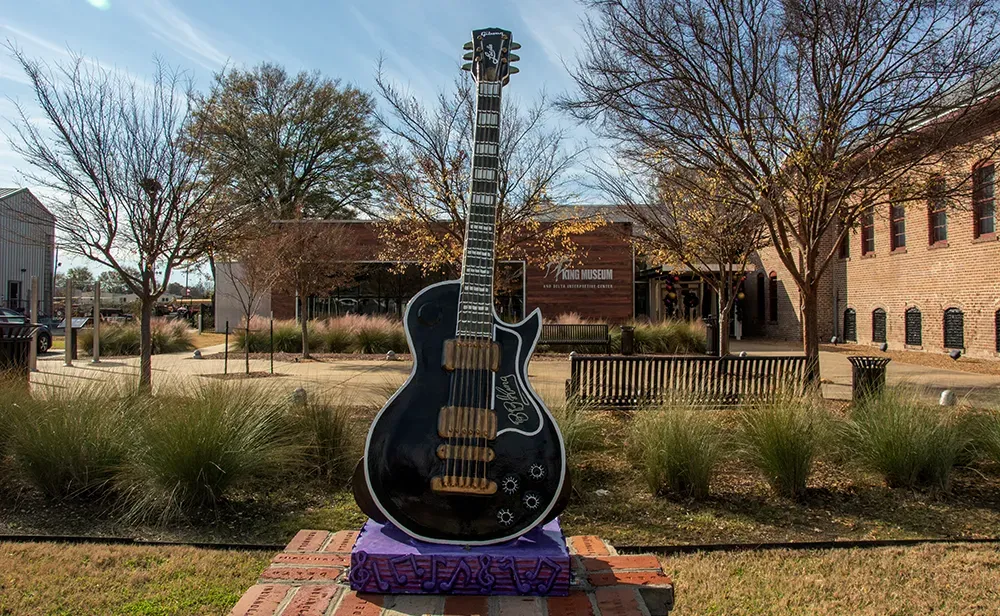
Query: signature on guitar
column 512, row 401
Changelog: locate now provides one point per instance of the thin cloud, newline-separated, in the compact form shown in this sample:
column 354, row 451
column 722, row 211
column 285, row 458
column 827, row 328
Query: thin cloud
column 171, row 25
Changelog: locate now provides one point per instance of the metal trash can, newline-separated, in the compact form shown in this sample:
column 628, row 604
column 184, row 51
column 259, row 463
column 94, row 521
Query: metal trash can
column 15, row 351
column 711, row 336
column 867, row 375
column 628, row 340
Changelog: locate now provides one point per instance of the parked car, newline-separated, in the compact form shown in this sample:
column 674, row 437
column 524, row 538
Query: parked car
column 44, row 333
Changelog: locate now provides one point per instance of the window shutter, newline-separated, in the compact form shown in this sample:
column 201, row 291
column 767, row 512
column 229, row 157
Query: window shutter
column 914, row 324
column 850, row 325
column 954, row 329
column 878, row 325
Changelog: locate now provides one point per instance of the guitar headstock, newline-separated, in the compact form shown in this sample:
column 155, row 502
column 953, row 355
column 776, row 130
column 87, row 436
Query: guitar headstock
column 490, row 55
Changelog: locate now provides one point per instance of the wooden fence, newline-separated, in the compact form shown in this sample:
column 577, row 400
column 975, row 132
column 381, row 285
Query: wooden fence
column 635, row 381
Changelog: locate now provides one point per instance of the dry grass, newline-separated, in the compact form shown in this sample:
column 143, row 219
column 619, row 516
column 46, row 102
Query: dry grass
column 48, row 578
column 932, row 579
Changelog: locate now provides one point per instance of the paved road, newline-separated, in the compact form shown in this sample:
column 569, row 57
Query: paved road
column 367, row 381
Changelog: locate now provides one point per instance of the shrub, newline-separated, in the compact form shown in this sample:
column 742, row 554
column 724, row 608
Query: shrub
column 670, row 337
column 781, row 437
column 580, row 431
column 379, row 335
column 192, row 450
column 327, row 437
column 73, row 444
column 908, row 441
column 168, row 336
column 676, row 449
column 986, row 434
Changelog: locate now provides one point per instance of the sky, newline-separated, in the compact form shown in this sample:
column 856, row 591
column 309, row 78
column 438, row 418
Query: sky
column 420, row 41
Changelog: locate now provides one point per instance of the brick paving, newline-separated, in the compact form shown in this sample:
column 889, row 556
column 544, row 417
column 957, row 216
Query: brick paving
column 310, row 579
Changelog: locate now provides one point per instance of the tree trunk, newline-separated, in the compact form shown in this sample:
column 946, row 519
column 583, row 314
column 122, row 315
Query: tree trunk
column 810, row 332
column 723, row 331
column 303, row 319
column 146, row 344
column 246, row 342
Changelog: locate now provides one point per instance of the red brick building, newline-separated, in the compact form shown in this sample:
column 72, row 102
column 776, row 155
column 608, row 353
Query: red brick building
column 922, row 276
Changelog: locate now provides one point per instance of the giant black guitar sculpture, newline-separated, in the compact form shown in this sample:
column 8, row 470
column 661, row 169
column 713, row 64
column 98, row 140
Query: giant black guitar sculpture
column 466, row 452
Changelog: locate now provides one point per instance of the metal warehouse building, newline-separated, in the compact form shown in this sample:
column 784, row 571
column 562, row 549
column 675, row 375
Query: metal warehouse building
column 27, row 248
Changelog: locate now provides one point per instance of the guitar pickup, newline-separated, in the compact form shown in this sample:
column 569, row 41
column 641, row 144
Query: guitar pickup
column 465, row 422
column 464, row 452
column 471, row 354
column 457, row 484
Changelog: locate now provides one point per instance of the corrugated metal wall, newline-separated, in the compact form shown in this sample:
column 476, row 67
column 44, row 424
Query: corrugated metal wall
column 27, row 246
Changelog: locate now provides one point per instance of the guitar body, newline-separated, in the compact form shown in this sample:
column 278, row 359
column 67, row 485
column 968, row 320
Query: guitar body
column 524, row 481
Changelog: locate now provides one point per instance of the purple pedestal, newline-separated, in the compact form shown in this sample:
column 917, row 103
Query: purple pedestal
column 387, row 560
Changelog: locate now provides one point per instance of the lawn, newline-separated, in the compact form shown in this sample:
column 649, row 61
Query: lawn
column 50, row 578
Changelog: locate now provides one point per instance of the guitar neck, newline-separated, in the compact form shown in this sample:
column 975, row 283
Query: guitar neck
column 475, row 308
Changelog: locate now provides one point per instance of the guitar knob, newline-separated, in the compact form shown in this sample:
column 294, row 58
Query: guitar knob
column 532, row 500
column 429, row 314
column 505, row 517
column 509, row 484
column 536, row 472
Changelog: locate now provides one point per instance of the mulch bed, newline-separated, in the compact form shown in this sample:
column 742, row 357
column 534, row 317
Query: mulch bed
column 237, row 376
column 920, row 358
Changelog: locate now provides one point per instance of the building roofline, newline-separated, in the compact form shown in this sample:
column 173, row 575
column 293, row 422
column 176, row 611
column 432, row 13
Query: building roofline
column 17, row 191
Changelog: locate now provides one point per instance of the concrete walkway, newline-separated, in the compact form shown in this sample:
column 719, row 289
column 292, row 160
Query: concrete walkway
column 371, row 382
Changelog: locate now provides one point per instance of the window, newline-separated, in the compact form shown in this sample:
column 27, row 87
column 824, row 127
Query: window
column 850, row 325
column 761, row 299
column 954, row 329
column 897, row 226
column 937, row 213
column 914, row 324
column 996, row 329
column 773, row 296
column 982, row 200
column 878, row 325
column 868, row 231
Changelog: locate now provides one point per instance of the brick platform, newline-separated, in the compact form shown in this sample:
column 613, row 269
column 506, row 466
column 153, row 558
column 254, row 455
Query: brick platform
column 310, row 579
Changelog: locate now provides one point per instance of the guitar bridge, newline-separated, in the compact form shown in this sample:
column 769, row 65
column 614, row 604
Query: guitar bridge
column 462, row 421
column 456, row 484
column 471, row 354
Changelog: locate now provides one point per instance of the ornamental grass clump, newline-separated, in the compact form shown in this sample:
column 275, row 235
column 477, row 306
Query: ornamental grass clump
column 327, row 436
column 781, row 436
column 191, row 450
column 670, row 337
column 910, row 442
column 379, row 335
column 676, row 449
column 985, row 428
column 74, row 443
column 580, row 431
column 122, row 339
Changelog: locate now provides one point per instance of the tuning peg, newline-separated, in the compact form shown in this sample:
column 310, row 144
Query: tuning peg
column 467, row 66
column 468, row 45
column 513, row 70
column 514, row 57
column 468, row 56
column 515, row 46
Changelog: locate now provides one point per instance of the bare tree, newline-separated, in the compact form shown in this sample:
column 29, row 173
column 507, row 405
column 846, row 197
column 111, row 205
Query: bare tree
column 811, row 112
column 252, row 265
column 313, row 257
column 687, row 218
column 125, row 193
column 426, row 178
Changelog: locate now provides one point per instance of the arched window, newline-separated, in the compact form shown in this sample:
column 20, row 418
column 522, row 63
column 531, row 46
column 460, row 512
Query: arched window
column 850, row 325
column 996, row 329
column 914, row 325
column 773, row 295
column 761, row 298
column 878, row 325
column 954, row 329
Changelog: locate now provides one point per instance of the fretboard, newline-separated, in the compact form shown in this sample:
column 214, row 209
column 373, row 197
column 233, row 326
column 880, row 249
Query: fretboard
column 475, row 308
